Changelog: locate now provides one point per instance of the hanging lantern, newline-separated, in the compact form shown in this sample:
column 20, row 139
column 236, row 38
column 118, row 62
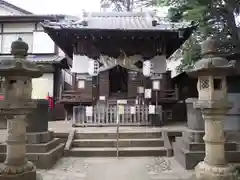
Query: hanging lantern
column 93, row 68
column 147, row 68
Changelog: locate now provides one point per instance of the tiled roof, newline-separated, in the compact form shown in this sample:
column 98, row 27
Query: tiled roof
column 119, row 21
column 38, row 58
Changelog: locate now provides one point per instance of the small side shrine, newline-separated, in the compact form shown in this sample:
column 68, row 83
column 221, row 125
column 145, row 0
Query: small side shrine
column 120, row 43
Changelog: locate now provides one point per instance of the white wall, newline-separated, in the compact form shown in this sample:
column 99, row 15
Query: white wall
column 42, row 86
column 79, row 64
column 18, row 27
column 39, row 42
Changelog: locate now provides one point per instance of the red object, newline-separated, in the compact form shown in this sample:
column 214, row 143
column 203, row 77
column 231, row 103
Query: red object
column 1, row 98
column 50, row 102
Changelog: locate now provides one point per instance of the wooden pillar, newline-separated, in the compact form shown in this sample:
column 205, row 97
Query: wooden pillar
column 95, row 93
column 147, row 85
column 74, row 81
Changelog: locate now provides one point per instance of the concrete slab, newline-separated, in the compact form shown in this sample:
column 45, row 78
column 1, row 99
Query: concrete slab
column 142, row 168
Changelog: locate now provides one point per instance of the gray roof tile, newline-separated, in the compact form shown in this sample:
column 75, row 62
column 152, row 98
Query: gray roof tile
column 119, row 21
column 38, row 58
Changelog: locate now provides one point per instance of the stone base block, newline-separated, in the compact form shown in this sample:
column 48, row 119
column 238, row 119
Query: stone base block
column 42, row 160
column 42, row 149
column 46, row 160
column 190, row 157
column 40, row 137
column 31, row 175
column 207, row 172
column 193, row 136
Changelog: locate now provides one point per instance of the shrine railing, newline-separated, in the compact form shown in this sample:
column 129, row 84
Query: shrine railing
column 110, row 115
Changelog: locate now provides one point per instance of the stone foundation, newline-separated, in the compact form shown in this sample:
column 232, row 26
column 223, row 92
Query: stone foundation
column 42, row 149
column 189, row 149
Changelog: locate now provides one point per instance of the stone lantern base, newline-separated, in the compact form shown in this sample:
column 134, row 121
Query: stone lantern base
column 207, row 172
column 12, row 173
column 30, row 175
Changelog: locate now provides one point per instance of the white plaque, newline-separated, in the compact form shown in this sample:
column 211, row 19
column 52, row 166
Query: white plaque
column 151, row 109
column 148, row 93
column 156, row 85
column 102, row 98
column 132, row 110
column 136, row 101
column 140, row 90
column 89, row 111
column 122, row 101
column 81, row 84
column 120, row 109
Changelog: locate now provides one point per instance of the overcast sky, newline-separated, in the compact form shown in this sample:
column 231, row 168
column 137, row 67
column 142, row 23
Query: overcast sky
column 70, row 7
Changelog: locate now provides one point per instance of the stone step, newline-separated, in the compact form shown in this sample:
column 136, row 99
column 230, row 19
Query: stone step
column 112, row 152
column 43, row 148
column 195, row 146
column 42, row 160
column 122, row 135
column 155, row 142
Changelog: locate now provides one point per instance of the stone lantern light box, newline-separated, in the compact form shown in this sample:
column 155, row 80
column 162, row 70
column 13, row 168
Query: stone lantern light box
column 211, row 72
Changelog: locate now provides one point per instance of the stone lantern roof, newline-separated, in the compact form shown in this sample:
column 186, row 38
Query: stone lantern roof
column 212, row 64
column 18, row 65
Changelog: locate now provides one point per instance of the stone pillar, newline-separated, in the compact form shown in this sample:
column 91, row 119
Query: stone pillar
column 211, row 71
column 16, row 148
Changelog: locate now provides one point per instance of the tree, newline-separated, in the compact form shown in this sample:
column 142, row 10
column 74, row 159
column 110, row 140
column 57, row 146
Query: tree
column 129, row 5
column 216, row 18
column 120, row 5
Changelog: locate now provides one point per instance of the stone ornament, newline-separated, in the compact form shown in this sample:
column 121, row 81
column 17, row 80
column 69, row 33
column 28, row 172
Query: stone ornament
column 211, row 71
column 17, row 103
column 212, row 63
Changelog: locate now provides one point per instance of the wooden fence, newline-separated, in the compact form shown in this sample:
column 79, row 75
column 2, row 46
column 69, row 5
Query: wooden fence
column 110, row 115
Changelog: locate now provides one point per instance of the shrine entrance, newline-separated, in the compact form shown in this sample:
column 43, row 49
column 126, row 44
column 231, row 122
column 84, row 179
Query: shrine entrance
column 118, row 81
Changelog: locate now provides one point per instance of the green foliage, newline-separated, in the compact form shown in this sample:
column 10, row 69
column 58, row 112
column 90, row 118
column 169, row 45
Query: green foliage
column 215, row 18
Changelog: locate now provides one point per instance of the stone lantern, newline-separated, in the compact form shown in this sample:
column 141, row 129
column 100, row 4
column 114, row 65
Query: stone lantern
column 18, row 74
column 211, row 71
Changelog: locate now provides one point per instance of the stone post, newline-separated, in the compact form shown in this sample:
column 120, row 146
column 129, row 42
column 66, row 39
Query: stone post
column 17, row 104
column 211, row 71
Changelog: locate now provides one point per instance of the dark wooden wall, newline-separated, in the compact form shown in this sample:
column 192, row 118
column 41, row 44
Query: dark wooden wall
column 187, row 87
column 86, row 92
column 104, row 83
column 134, row 80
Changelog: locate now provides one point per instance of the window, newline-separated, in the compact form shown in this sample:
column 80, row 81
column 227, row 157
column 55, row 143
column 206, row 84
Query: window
column 217, row 83
column 204, row 83
column 81, row 84
column 7, row 40
column 67, row 77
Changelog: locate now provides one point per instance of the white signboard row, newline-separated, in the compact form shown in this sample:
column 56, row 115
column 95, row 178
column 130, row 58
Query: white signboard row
column 151, row 110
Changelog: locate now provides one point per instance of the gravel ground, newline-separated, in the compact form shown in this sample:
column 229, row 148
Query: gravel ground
column 146, row 168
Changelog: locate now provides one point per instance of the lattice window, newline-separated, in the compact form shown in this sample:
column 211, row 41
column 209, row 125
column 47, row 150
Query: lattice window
column 204, row 83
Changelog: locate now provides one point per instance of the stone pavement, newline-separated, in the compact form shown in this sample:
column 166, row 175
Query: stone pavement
column 142, row 168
